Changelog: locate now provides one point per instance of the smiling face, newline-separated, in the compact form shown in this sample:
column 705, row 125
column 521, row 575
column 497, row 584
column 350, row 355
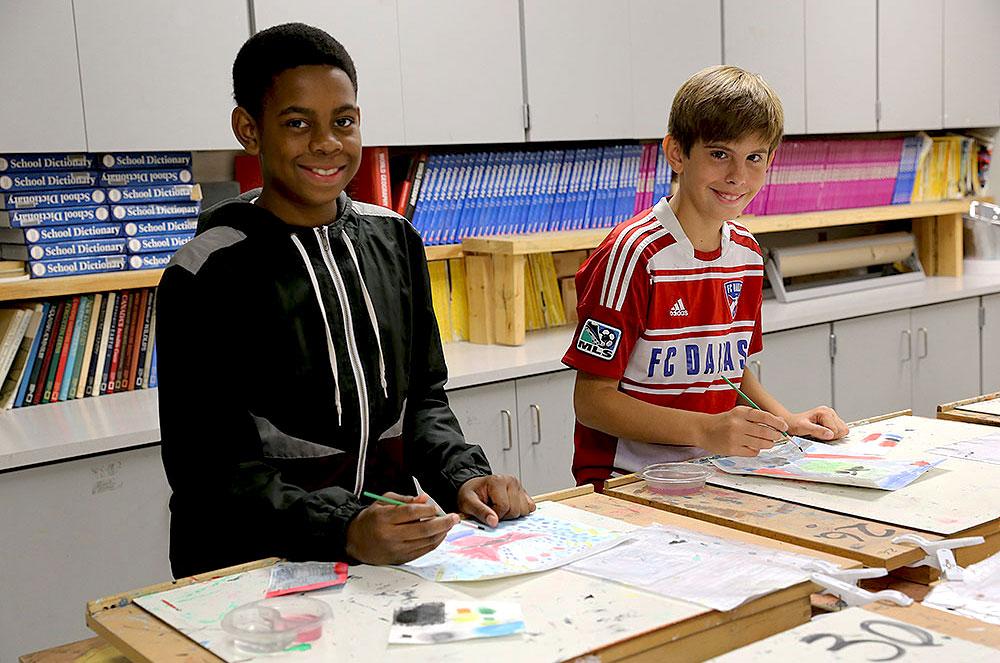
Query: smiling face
column 308, row 138
column 718, row 179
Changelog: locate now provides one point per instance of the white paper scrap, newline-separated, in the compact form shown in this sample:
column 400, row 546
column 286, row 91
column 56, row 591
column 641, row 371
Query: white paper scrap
column 977, row 595
column 984, row 449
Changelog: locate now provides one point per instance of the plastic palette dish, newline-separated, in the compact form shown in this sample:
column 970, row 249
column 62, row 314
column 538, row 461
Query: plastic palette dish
column 273, row 625
column 675, row 478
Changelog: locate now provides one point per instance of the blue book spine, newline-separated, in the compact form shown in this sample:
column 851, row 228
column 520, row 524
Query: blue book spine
column 483, row 197
column 420, row 213
column 86, row 301
column 509, row 194
column 562, row 190
column 128, row 195
column 455, row 198
column 59, row 216
column 154, row 211
column 157, row 243
column 144, row 160
column 152, row 382
column 588, row 186
column 573, row 190
column 149, row 260
column 160, row 227
column 470, row 207
column 474, row 167
column 19, row 163
column 49, row 234
column 609, row 180
column 529, row 194
column 56, row 198
column 907, row 170
column 90, row 247
column 38, row 181
column 22, row 387
column 441, row 183
column 625, row 198
column 121, row 178
column 549, row 190
column 43, row 269
column 537, row 191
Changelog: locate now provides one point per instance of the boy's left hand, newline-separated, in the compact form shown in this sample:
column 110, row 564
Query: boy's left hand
column 501, row 491
column 820, row 422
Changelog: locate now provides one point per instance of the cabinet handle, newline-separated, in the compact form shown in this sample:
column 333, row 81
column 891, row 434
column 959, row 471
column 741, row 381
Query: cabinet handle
column 909, row 351
column 922, row 333
column 759, row 369
column 510, row 429
column 537, row 412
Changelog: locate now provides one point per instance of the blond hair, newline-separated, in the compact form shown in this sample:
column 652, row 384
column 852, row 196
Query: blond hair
column 724, row 103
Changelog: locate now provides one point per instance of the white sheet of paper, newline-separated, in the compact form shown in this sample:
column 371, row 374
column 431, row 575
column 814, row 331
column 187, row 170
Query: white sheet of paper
column 694, row 567
column 977, row 595
column 983, row 407
column 856, row 634
column 984, row 449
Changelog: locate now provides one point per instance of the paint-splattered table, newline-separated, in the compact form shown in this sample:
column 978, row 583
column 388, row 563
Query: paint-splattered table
column 958, row 498
column 983, row 409
column 631, row 624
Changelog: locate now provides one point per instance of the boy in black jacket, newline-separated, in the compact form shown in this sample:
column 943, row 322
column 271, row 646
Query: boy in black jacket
column 299, row 358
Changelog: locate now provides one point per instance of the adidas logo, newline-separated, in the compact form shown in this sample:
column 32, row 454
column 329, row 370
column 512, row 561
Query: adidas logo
column 678, row 308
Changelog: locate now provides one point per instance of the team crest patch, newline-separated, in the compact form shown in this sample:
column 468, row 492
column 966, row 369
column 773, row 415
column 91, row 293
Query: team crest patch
column 733, row 290
column 598, row 339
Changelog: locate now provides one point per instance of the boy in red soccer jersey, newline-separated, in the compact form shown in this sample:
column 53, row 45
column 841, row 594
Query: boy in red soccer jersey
column 670, row 302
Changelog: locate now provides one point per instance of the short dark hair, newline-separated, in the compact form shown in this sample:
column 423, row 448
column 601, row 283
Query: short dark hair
column 270, row 52
column 723, row 103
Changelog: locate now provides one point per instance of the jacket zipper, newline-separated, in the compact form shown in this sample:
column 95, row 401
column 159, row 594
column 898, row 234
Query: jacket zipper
column 352, row 352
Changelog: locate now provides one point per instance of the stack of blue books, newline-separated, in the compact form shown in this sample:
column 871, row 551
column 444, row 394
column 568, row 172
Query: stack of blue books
column 154, row 198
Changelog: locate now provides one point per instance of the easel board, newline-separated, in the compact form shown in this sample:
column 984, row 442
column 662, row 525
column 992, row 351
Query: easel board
column 861, row 634
column 983, row 410
column 578, row 615
column 858, row 523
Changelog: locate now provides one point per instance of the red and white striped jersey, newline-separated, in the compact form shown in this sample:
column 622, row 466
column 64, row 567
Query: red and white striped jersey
column 667, row 322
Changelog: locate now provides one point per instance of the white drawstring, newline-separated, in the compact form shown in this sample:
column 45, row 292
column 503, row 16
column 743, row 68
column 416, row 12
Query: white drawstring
column 326, row 323
column 371, row 311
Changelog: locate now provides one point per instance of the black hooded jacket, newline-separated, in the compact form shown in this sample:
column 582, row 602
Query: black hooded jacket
column 298, row 367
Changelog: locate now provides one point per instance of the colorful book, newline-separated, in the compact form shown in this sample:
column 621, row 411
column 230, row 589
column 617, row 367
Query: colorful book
column 13, row 325
column 144, row 340
column 96, row 369
column 84, row 360
column 153, row 380
column 17, row 378
column 40, row 364
column 43, row 269
column 19, row 163
column 60, row 349
column 114, row 342
column 148, row 365
column 80, row 329
column 60, row 216
column 139, row 322
column 116, row 379
column 56, row 198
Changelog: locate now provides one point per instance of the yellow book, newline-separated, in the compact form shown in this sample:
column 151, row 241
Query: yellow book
column 459, row 300
column 441, row 297
column 533, row 316
column 555, row 315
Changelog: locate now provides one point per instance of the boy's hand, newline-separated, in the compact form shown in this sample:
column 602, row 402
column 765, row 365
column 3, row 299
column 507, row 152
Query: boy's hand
column 501, row 491
column 742, row 431
column 820, row 422
column 388, row 534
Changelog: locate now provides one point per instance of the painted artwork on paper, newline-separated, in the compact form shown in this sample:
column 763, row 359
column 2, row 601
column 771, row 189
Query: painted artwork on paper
column 824, row 463
column 537, row 542
column 448, row 621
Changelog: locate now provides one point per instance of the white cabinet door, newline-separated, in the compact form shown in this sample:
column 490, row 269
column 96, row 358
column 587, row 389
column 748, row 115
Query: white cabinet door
column 42, row 109
column 909, row 64
column 795, row 367
column 374, row 48
column 546, row 421
column 662, row 57
column 840, row 66
column 487, row 416
column 577, row 66
column 158, row 75
column 990, row 341
column 767, row 37
column 946, row 354
column 84, row 528
column 872, row 365
column 461, row 68
column 971, row 56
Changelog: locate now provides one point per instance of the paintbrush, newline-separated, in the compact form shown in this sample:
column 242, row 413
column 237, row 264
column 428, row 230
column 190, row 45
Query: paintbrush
column 389, row 500
column 440, row 511
column 757, row 407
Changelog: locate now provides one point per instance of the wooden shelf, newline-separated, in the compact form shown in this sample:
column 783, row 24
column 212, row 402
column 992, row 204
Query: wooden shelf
column 572, row 240
column 443, row 252
column 73, row 285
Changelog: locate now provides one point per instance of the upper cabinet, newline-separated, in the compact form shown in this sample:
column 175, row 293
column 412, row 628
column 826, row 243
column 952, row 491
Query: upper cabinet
column 971, row 63
column 461, row 71
column 42, row 109
column 578, row 70
column 767, row 37
column 158, row 75
column 369, row 31
column 662, row 57
column 840, row 66
column 910, row 64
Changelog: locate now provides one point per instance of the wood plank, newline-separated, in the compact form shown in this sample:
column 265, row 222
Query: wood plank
column 949, row 242
column 951, row 412
column 565, row 494
column 847, row 536
column 925, row 233
column 479, row 293
column 443, row 252
column 943, row 622
column 880, row 417
column 508, row 299
column 91, row 650
column 72, row 285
